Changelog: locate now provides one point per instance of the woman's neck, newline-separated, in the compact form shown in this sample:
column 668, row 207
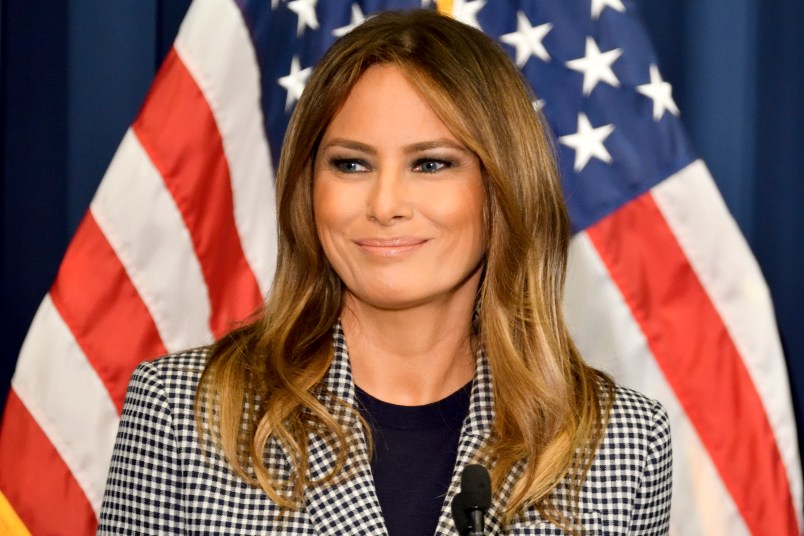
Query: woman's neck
column 409, row 357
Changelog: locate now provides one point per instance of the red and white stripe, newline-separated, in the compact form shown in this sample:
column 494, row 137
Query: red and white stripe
column 666, row 296
column 182, row 221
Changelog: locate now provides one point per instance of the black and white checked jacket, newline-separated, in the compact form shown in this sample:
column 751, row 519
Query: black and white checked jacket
column 160, row 482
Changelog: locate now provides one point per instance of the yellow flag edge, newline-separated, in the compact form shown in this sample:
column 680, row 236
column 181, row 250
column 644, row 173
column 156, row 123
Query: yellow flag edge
column 10, row 523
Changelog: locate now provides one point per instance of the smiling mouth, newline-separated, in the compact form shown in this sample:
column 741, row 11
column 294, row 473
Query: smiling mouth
column 390, row 247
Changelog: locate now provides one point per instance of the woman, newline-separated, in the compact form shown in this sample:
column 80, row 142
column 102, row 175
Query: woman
column 414, row 326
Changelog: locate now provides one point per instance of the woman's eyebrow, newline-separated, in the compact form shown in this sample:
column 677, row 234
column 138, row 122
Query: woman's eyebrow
column 439, row 143
column 350, row 144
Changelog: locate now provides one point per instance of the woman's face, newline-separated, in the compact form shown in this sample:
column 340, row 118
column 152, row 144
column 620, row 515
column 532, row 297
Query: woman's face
column 398, row 200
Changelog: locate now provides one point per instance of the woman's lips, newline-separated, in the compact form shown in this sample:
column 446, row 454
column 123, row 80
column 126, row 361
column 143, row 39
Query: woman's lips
column 389, row 247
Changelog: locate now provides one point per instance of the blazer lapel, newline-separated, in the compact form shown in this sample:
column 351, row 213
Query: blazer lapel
column 349, row 505
column 475, row 432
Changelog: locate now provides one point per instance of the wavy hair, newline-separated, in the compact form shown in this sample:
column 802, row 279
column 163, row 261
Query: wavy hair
column 262, row 380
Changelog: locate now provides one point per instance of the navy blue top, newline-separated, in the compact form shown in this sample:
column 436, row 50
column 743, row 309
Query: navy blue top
column 414, row 455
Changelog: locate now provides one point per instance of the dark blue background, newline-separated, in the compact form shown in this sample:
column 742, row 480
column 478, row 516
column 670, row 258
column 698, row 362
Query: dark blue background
column 73, row 76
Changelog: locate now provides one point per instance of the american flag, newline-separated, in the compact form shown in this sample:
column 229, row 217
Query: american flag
column 179, row 243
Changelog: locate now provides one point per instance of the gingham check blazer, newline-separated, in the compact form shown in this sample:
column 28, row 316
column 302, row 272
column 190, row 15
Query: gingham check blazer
column 160, row 481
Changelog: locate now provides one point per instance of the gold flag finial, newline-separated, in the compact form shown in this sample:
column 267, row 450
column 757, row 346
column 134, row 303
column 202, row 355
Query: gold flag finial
column 444, row 7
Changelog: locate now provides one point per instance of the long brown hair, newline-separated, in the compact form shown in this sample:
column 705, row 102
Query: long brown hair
column 261, row 380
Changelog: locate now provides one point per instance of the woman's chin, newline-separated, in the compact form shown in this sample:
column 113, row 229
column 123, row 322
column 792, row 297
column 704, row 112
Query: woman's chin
column 393, row 298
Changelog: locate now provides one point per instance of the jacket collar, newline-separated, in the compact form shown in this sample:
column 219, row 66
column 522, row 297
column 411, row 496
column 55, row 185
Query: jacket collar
column 350, row 505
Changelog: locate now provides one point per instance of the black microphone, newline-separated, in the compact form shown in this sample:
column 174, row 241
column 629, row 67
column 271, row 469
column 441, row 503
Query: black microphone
column 469, row 506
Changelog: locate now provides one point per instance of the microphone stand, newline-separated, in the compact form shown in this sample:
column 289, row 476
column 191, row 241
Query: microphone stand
column 476, row 522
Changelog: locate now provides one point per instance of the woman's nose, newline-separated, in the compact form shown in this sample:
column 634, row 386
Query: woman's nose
column 389, row 198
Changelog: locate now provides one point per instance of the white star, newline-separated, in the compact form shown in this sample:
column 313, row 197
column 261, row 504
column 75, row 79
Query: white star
column 294, row 82
column 357, row 20
column 661, row 93
column 305, row 9
column 596, row 66
column 599, row 5
column 527, row 39
column 588, row 142
column 465, row 11
column 538, row 105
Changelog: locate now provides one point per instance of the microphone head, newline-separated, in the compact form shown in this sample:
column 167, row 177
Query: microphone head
column 474, row 499
column 475, row 488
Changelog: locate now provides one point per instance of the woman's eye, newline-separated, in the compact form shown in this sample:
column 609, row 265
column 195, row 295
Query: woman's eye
column 345, row 165
column 430, row 166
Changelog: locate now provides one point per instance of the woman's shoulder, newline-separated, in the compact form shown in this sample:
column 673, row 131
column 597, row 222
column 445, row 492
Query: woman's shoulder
column 160, row 400
column 635, row 453
column 170, row 377
column 634, row 413
column 636, row 438
column 184, row 365
column 628, row 485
